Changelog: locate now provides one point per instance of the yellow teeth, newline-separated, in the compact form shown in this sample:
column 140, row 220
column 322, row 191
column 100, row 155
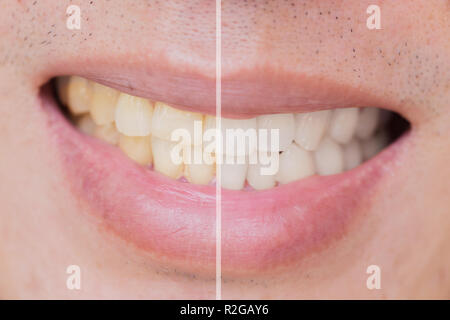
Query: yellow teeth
column 315, row 143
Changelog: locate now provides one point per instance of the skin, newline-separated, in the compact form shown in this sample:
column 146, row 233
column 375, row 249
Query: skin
column 405, row 227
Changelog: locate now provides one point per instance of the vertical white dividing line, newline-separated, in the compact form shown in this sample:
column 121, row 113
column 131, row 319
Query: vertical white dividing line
column 218, row 145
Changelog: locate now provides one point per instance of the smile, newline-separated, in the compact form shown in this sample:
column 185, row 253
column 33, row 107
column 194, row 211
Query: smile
column 116, row 151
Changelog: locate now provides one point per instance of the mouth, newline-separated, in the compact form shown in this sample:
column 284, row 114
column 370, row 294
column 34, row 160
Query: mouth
column 115, row 147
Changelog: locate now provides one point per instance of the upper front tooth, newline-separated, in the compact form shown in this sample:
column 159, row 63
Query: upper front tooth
column 285, row 123
column 329, row 157
column 233, row 128
column 352, row 154
column 311, row 127
column 343, row 124
column 103, row 104
column 167, row 119
column 133, row 115
column 295, row 163
column 368, row 121
column 79, row 93
column 162, row 158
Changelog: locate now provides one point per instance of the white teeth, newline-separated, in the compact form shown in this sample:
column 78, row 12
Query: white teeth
column 103, row 104
column 295, row 163
column 257, row 180
column 199, row 173
column 86, row 124
column 367, row 123
column 239, row 125
column 79, row 93
column 167, row 119
column 285, row 123
column 374, row 145
column 137, row 148
column 162, row 158
column 329, row 158
column 352, row 155
column 310, row 128
column 233, row 175
column 133, row 115
column 107, row 133
column 343, row 124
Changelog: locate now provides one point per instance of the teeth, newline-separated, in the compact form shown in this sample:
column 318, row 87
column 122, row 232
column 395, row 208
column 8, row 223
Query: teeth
column 86, row 124
column 162, row 160
column 133, row 115
column 167, row 119
column 311, row 128
column 257, row 180
column 323, row 142
column 199, row 173
column 352, row 155
column 107, row 133
column 239, row 124
column 367, row 123
column 329, row 158
column 285, row 123
column 374, row 145
column 79, row 93
column 233, row 175
column 343, row 124
column 137, row 148
column 103, row 104
column 295, row 163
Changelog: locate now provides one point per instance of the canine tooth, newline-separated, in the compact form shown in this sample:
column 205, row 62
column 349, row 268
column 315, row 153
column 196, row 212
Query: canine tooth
column 310, row 128
column 257, row 180
column 79, row 93
column 373, row 145
column 107, row 133
column 367, row 122
column 295, row 163
column 233, row 175
column 167, row 119
column 352, row 154
column 285, row 123
column 86, row 124
column 62, row 83
column 343, row 124
column 133, row 115
column 137, row 148
column 162, row 159
column 103, row 104
column 329, row 157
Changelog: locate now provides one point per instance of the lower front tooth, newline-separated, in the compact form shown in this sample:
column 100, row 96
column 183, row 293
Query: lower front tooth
column 162, row 158
column 257, row 180
column 329, row 157
column 107, row 133
column 352, row 155
column 199, row 173
column 137, row 148
column 233, row 175
column 343, row 124
column 79, row 93
column 295, row 163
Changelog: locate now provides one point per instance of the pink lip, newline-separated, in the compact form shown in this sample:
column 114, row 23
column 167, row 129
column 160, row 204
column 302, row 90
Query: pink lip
column 175, row 221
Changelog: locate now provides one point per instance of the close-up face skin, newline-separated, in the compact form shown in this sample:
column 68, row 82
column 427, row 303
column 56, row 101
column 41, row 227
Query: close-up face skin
column 87, row 182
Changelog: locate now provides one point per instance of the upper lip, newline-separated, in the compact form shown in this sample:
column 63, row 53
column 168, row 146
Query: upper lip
column 175, row 221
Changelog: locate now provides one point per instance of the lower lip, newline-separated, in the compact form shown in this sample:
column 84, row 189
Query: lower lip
column 176, row 222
